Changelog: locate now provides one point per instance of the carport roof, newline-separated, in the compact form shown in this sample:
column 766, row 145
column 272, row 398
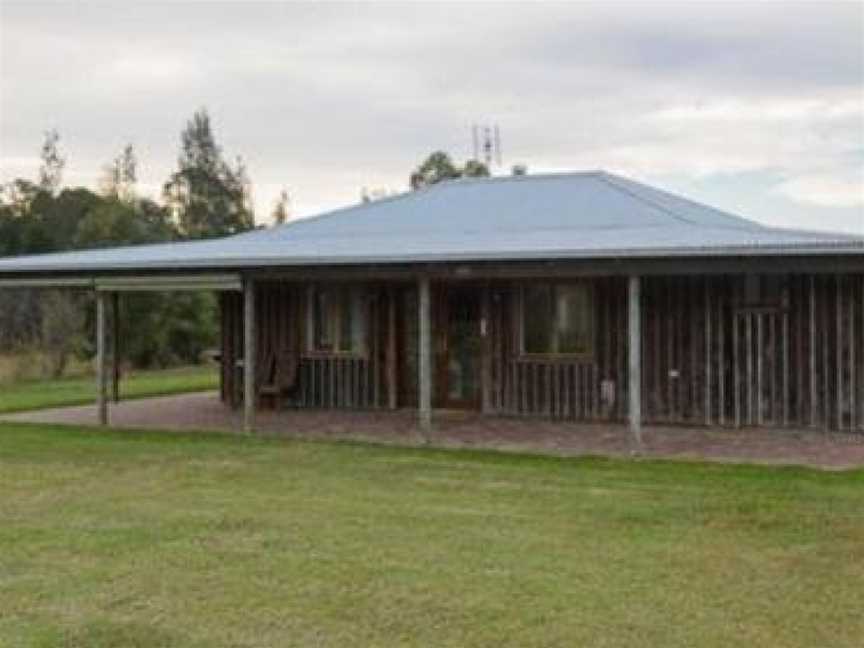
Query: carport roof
column 587, row 215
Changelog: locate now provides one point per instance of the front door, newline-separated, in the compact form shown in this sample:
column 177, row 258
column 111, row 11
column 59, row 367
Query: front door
column 459, row 348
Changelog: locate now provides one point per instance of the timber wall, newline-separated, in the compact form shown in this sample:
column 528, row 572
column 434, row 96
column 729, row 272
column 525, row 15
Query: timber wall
column 711, row 358
column 708, row 356
column 582, row 389
column 324, row 381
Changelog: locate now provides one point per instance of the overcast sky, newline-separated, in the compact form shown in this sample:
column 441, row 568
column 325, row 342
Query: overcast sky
column 753, row 107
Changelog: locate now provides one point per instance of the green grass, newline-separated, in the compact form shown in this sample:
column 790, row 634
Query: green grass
column 32, row 395
column 159, row 539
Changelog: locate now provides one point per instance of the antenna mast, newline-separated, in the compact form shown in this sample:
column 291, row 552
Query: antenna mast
column 486, row 144
column 475, row 139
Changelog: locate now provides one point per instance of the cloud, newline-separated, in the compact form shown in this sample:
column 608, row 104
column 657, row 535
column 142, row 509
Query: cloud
column 838, row 189
column 776, row 110
column 151, row 69
column 326, row 99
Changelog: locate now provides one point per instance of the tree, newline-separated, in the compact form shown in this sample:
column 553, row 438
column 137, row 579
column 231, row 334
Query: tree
column 434, row 169
column 121, row 175
column 240, row 184
column 18, row 196
column 475, row 169
column 208, row 196
column 282, row 209
column 439, row 167
column 51, row 169
column 40, row 217
column 63, row 318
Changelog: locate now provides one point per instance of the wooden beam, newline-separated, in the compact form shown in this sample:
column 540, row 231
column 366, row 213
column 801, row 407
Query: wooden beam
column 425, row 353
column 486, row 350
column 249, row 351
column 47, row 282
column 569, row 268
column 375, row 357
column 101, row 358
column 309, row 341
column 160, row 283
column 838, row 388
column 707, row 381
column 635, row 365
column 721, row 354
column 736, row 361
column 861, row 380
column 853, row 368
column 392, row 386
column 812, row 351
column 115, row 347
column 776, row 262
column 760, row 369
column 826, row 362
column 785, row 346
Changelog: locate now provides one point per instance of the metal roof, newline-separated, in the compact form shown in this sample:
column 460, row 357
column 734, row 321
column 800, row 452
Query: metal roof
column 554, row 216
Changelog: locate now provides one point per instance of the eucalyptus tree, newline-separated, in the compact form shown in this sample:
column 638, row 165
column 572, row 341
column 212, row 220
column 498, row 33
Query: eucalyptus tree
column 208, row 196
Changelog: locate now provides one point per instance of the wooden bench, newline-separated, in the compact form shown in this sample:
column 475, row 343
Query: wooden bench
column 278, row 377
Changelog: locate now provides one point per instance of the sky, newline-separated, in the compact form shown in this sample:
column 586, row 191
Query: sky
column 755, row 107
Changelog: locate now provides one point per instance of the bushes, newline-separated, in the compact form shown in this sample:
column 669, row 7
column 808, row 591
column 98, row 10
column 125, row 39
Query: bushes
column 157, row 330
column 28, row 364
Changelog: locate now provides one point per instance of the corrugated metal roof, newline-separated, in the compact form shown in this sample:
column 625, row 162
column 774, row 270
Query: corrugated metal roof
column 563, row 216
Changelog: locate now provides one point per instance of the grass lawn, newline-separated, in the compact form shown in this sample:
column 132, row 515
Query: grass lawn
column 31, row 395
column 158, row 539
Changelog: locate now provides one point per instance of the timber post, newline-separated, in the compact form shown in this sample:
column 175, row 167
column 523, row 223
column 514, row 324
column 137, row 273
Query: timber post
column 425, row 360
column 249, row 351
column 101, row 357
column 392, row 401
column 115, row 347
column 485, row 351
column 635, row 360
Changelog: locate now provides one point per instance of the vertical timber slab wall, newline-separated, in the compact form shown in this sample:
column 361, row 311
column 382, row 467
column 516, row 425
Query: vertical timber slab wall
column 795, row 361
column 679, row 321
column 350, row 381
column 583, row 389
column 324, row 381
column 709, row 357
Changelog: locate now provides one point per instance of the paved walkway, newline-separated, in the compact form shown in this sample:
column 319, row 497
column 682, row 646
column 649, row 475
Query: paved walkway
column 203, row 411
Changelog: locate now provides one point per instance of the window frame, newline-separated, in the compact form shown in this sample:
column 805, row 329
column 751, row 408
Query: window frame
column 361, row 294
column 762, row 283
column 552, row 356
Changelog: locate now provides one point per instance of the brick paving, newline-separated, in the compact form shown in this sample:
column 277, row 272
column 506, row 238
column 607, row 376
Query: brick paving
column 203, row 411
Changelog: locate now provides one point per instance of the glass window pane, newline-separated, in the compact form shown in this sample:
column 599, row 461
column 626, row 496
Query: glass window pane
column 346, row 317
column 339, row 319
column 323, row 333
column 358, row 320
column 537, row 319
column 573, row 319
column 352, row 320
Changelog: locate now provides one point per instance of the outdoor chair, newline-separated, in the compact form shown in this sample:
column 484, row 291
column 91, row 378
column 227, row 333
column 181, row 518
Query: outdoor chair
column 280, row 381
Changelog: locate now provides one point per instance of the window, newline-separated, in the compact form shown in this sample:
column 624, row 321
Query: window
column 762, row 292
column 557, row 319
column 337, row 319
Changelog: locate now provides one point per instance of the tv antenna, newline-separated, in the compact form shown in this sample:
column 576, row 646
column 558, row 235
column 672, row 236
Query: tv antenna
column 486, row 141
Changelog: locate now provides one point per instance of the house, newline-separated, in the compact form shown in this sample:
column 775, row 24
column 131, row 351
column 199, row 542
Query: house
column 577, row 296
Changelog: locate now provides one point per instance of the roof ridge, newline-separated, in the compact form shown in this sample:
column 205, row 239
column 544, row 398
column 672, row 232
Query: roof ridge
column 548, row 175
column 618, row 183
column 410, row 193
column 608, row 179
